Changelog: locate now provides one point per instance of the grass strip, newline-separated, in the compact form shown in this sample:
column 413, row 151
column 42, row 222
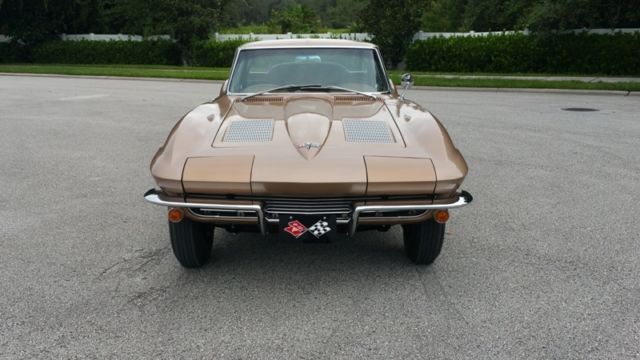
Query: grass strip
column 172, row 72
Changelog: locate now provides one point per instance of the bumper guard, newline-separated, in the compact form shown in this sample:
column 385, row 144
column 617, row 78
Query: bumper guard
column 153, row 196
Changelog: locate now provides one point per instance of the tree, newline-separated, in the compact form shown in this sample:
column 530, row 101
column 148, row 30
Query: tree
column 494, row 15
column 443, row 15
column 537, row 15
column 548, row 15
column 245, row 12
column 344, row 14
column 296, row 19
column 33, row 21
column 187, row 21
column 393, row 24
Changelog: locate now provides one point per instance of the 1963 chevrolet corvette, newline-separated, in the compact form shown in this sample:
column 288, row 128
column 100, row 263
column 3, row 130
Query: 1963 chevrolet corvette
column 308, row 138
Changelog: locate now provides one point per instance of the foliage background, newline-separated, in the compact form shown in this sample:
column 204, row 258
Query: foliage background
column 557, row 53
column 35, row 25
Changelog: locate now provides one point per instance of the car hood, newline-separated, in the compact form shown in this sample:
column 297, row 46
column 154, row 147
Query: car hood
column 302, row 145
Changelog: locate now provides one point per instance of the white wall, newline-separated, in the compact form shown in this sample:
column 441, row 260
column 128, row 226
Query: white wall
column 420, row 35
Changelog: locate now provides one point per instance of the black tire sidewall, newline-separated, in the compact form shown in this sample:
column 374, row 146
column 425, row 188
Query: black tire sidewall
column 191, row 242
column 423, row 241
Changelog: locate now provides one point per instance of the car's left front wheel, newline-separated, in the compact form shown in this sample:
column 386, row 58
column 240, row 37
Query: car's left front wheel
column 191, row 242
column 423, row 241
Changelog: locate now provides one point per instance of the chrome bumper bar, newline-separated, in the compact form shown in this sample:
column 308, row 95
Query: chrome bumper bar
column 153, row 196
column 463, row 199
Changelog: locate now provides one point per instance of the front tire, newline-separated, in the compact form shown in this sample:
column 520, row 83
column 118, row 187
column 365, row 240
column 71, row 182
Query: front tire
column 423, row 241
column 191, row 242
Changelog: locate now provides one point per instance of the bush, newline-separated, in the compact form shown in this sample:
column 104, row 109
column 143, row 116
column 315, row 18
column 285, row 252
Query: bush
column 215, row 53
column 615, row 54
column 156, row 52
column 13, row 53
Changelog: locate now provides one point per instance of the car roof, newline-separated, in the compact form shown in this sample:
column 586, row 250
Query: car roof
column 306, row 43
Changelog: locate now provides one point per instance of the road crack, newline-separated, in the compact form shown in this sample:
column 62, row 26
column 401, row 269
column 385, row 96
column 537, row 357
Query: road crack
column 135, row 263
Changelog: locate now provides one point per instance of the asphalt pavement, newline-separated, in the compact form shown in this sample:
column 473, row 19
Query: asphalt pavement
column 544, row 264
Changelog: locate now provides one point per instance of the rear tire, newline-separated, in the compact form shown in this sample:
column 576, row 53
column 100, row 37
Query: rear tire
column 191, row 242
column 423, row 241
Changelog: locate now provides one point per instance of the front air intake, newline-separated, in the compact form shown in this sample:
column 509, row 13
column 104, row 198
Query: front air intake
column 353, row 98
column 249, row 131
column 367, row 131
column 264, row 99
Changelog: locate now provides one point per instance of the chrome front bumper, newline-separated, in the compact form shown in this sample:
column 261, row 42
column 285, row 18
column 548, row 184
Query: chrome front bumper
column 463, row 199
column 153, row 196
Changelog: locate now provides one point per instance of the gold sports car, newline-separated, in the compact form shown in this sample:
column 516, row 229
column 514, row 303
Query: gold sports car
column 308, row 139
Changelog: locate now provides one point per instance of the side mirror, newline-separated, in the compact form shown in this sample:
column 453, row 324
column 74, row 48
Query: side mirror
column 407, row 81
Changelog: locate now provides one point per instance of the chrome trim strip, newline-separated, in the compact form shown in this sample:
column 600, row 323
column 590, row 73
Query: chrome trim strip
column 153, row 196
column 464, row 199
column 306, row 46
column 308, row 212
column 338, row 221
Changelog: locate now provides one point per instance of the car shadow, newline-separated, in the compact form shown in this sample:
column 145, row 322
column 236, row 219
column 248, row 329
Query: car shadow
column 275, row 252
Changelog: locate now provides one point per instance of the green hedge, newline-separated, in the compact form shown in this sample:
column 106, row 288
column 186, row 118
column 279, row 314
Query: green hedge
column 159, row 52
column 215, row 53
column 616, row 54
column 162, row 52
column 11, row 53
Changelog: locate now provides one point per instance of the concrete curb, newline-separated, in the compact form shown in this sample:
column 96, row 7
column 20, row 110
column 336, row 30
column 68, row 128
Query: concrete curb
column 529, row 90
column 429, row 88
column 105, row 77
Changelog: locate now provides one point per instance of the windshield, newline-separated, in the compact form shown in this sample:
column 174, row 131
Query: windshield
column 262, row 69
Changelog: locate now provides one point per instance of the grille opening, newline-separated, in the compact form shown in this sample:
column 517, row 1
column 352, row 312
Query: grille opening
column 264, row 99
column 224, row 213
column 392, row 214
column 275, row 207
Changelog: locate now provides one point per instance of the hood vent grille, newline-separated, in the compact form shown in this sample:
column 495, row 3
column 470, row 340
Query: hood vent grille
column 249, row 131
column 367, row 131
column 264, row 99
column 353, row 98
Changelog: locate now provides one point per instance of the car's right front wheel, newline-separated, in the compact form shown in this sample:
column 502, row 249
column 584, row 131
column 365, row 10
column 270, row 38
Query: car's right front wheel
column 423, row 241
column 191, row 242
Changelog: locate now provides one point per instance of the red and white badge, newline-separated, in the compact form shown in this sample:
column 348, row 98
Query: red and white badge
column 296, row 228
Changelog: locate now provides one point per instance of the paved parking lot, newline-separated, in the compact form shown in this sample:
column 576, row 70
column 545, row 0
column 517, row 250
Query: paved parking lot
column 544, row 264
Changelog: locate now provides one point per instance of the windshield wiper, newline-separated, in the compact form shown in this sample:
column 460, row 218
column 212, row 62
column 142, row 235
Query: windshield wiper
column 280, row 88
column 308, row 87
column 338, row 88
